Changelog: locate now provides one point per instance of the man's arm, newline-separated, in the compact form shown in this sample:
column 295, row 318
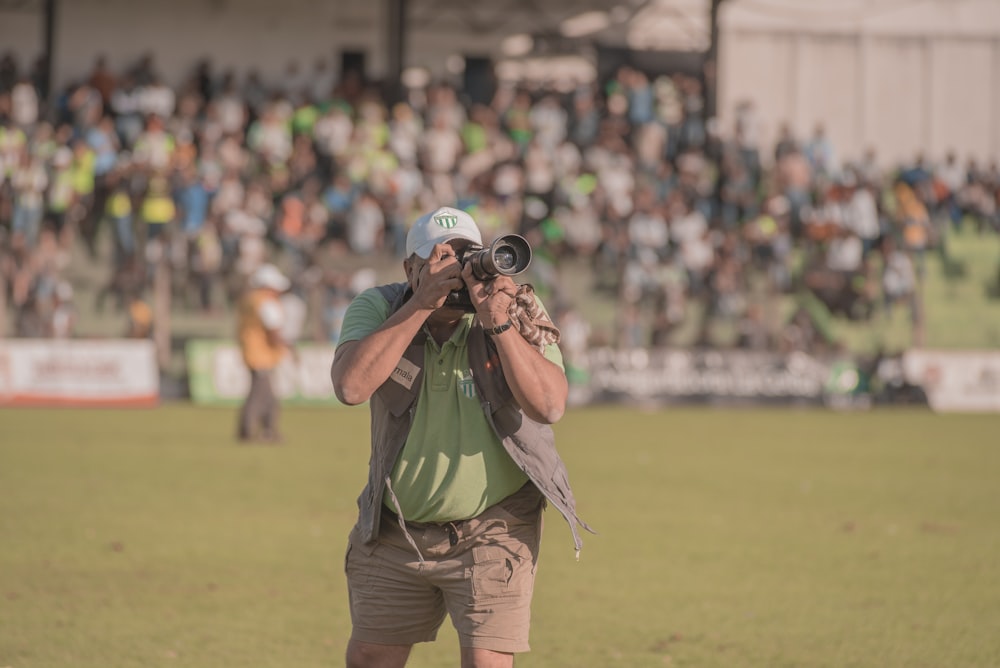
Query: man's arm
column 539, row 386
column 360, row 367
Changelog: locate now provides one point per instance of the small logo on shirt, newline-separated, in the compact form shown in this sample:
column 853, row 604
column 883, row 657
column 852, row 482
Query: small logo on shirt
column 467, row 386
column 405, row 373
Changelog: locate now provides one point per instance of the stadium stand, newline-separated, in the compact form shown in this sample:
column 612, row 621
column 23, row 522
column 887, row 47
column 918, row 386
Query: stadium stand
column 680, row 224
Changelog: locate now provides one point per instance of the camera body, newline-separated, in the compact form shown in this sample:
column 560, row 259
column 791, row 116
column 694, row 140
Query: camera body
column 507, row 255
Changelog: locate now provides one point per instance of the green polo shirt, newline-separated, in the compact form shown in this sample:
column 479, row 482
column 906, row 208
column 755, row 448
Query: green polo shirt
column 452, row 466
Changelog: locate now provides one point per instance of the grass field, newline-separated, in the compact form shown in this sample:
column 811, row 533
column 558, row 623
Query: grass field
column 749, row 539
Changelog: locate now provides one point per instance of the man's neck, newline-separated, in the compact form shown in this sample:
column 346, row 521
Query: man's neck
column 442, row 324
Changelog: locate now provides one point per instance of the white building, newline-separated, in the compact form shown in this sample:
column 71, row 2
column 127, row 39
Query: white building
column 896, row 76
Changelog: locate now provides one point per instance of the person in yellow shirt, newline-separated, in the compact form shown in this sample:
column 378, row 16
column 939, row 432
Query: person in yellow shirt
column 118, row 210
column 158, row 208
column 83, row 179
column 261, row 319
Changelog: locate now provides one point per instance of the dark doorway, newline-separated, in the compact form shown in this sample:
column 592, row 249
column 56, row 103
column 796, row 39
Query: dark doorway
column 353, row 79
column 478, row 81
column 352, row 65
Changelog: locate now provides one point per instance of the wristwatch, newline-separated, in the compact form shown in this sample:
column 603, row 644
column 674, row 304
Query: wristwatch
column 500, row 329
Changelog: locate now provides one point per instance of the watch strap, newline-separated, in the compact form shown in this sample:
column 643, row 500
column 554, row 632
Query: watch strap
column 499, row 329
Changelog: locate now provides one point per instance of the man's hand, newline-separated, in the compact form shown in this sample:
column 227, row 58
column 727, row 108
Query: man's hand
column 491, row 299
column 436, row 277
column 539, row 386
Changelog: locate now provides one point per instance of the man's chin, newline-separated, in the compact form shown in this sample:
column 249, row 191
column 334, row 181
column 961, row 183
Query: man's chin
column 449, row 313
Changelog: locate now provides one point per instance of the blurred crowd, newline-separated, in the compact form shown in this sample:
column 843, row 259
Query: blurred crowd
column 679, row 222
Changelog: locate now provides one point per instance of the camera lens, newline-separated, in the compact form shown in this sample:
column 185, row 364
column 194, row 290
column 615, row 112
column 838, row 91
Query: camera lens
column 505, row 259
column 507, row 255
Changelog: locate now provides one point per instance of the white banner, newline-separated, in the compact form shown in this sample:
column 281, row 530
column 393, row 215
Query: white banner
column 641, row 374
column 41, row 372
column 956, row 380
column 217, row 374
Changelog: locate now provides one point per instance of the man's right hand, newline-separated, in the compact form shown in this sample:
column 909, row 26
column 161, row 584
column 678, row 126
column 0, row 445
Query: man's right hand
column 436, row 277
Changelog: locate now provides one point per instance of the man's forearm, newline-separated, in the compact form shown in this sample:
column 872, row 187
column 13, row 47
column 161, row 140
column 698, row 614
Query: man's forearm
column 360, row 367
column 538, row 385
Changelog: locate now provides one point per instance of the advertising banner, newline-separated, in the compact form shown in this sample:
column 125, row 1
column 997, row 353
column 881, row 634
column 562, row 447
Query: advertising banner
column 956, row 380
column 56, row 372
column 218, row 376
column 692, row 376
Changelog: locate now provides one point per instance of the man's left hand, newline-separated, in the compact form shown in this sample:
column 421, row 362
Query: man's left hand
column 491, row 299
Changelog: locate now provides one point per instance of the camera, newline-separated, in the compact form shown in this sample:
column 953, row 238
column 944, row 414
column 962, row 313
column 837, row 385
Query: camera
column 507, row 255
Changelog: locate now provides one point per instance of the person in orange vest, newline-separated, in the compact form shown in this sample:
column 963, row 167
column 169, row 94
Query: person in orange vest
column 261, row 320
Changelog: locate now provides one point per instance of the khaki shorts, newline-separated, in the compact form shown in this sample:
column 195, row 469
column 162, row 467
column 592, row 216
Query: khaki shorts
column 480, row 571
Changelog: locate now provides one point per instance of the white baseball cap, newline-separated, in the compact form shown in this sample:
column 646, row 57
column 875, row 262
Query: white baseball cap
column 269, row 276
column 439, row 226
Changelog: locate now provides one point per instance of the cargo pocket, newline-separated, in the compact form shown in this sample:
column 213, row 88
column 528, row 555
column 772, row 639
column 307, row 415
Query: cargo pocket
column 498, row 572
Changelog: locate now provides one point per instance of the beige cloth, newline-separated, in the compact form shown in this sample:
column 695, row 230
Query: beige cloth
column 531, row 320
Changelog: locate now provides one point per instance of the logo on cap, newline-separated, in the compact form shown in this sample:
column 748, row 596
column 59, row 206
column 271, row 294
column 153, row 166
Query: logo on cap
column 446, row 220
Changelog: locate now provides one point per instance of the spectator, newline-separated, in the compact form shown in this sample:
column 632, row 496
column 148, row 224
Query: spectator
column 103, row 81
column 270, row 136
column 862, row 212
column 365, row 225
column 952, row 178
column 158, row 211
column 585, row 120
column 230, row 106
column 63, row 317
column 914, row 222
column 24, row 103
column 127, row 112
column 140, row 319
column 9, row 71
column 261, row 321
column 29, row 183
column 83, row 107
column 899, row 279
column 194, row 198
column 61, row 197
column 154, row 147
column 118, row 210
column 254, row 174
column 206, row 263
column 819, row 151
column 321, row 80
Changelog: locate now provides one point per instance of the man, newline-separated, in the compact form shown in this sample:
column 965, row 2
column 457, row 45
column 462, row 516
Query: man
column 261, row 319
column 463, row 456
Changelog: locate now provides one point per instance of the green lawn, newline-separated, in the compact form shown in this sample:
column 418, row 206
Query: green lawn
column 762, row 538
